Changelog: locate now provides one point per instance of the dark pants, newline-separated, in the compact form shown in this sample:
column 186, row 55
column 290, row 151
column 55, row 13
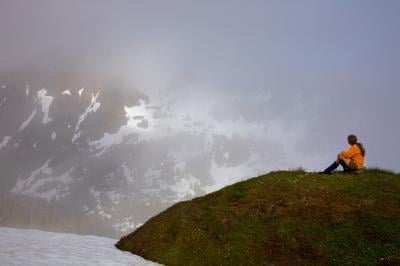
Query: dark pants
column 335, row 165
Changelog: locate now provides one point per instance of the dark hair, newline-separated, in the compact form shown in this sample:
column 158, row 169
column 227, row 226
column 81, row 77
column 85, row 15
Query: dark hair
column 352, row 139
column 362, row 149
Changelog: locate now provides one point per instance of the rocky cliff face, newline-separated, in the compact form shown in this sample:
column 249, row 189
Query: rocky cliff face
column 110, row 155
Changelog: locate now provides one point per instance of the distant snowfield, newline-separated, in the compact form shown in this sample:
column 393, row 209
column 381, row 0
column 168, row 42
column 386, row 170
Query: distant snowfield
column 32, row 247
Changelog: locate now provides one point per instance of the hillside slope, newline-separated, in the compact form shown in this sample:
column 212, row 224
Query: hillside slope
column 280, row 218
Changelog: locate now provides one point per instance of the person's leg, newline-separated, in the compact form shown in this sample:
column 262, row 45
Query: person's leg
column 345, row 166
column 331, row 168
column 344, row 162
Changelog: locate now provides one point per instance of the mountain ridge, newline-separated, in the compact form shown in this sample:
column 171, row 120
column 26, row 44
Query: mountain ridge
column 114, row 155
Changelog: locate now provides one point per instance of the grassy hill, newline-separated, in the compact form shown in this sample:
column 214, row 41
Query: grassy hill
column 282, row 218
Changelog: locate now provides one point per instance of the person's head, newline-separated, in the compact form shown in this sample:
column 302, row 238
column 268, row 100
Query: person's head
column 352, row 139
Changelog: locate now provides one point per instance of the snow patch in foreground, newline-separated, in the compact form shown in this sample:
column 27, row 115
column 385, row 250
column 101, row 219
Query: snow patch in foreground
column 32, row 247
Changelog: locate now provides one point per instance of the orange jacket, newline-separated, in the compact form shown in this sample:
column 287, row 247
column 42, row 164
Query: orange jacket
column 354, row 154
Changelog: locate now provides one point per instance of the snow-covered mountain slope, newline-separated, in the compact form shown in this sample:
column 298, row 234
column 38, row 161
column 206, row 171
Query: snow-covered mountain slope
column 114, row 157
column 32, row 247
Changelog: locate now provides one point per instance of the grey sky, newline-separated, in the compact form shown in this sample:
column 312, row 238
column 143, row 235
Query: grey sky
column 308, row 72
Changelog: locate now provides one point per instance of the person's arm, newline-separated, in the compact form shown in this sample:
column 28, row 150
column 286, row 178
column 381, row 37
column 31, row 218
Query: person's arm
column 349, row 152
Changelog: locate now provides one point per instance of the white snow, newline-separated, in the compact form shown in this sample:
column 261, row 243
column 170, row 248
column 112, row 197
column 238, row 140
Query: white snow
column 5, row 141
column 100, row 209
column 66, row 92
column 46, row 101
column 34, row 248
column 151, row 174
column 114, row 196
column 128, row 174
column 34, row 145
column 27, row 89
column 25, row 184
column 171, row 123
column 126, row 225
column 227, row 155
column 164, row 120
column 92, row 108
column 81, row 91
column 53, row 135
column 3, row 101
column 135, row 115
column 3, row 86
column 33, row 185
column 224, row 174
column 185, row 187
column 26, row 123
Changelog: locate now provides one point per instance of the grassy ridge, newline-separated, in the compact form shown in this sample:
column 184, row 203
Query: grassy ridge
column 282, row 218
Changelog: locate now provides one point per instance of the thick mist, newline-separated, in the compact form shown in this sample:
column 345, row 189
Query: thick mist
column 285, row 81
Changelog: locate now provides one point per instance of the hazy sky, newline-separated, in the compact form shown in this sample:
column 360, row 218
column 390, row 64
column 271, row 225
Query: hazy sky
column 304, row 73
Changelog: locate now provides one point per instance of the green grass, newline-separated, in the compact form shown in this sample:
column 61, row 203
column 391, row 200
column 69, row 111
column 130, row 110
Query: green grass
column 282, row 218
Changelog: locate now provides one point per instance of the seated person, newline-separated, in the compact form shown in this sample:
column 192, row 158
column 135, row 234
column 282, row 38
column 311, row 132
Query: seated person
column 352, row 160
